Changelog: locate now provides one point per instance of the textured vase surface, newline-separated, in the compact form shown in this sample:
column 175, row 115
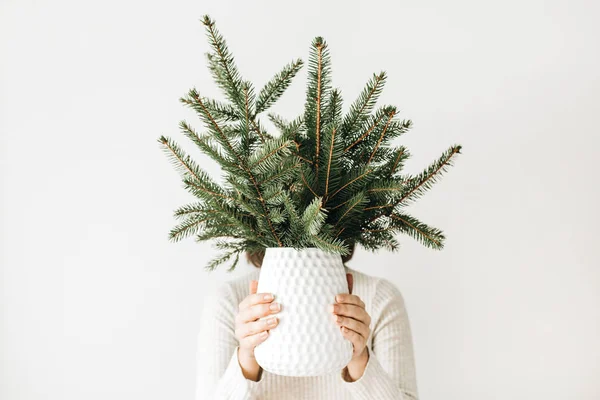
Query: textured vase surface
column 307, row 341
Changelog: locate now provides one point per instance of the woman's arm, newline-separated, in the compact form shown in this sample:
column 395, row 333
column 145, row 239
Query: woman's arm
column 219, row 375
column 390, row 372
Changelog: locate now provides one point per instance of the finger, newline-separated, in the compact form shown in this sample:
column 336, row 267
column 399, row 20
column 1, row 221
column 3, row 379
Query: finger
column 350, row 280
column 256, row 298
column 253, row 286
column 250, row 342
column 252, row 328
column 257, row 311
column 350, row 299
column 354, row 325
column 357, row 340
column 352, row 311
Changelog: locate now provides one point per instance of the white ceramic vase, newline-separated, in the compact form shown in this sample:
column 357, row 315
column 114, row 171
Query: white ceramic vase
column 307, row 341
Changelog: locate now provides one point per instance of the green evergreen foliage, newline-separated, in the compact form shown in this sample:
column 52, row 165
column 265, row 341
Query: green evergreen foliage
column 353, row 167
column 328, row 180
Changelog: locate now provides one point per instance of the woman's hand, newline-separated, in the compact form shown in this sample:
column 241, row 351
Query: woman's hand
column 354, row 321
column 250, row 331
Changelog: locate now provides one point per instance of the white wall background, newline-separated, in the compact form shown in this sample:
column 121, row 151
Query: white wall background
column 97, row 304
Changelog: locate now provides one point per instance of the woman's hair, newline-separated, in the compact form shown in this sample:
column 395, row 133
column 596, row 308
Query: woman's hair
column 256, row 258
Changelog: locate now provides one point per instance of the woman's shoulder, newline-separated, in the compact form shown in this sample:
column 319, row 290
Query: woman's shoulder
column 238, row 288
column 375, row 282
column 376, row 288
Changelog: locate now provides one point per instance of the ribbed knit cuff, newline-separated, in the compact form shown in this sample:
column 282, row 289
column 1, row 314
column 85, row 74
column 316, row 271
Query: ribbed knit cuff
column 375, row 383
column 234, row 385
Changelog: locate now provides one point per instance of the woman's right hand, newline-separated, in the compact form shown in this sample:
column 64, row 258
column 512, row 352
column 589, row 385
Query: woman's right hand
column 250, row 331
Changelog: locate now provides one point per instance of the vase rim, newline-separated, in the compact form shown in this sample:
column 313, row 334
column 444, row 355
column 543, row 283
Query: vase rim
column 307, row 250
column 293, row 248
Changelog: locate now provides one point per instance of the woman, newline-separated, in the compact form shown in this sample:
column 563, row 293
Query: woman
column 373, row 317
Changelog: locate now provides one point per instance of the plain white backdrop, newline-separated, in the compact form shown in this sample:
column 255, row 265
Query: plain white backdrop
column 97, row 304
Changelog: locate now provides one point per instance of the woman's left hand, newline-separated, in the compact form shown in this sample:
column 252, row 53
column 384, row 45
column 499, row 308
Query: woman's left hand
column 354, row 321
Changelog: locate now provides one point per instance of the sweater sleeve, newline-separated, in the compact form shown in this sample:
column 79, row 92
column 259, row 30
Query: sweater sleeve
column 218, row 372
column 390, row 372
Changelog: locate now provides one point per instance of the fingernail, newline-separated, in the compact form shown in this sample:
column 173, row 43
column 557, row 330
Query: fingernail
column 274, row 307
column 264, row 334
column 268, row 297
column 332, row 308
column 338, row 319
column 272, row 321
column 339, row 298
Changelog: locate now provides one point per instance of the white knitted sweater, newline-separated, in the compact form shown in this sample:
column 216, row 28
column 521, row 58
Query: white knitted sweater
column 389, row 375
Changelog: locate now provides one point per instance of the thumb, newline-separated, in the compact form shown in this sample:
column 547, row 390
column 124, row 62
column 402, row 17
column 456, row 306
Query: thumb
column 350, row 280
column 253, row 287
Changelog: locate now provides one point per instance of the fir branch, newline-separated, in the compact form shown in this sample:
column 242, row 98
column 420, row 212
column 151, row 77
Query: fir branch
column 347, row 184
column 230, row 79
column 319, row 94
column 295, row 221
column 180, row 160
column 202, row 237
column 215, row 262
column 256, row 128
column 277, row 216
column 251, row 121
column 297, row 154
column 340, row 204
column 314, row 216
column 368, row 127
column 242, row 163
column 331, row 146
column 308, row 186
column 318, row 86
column 365, row 102
column 376, row 230
column 428, row 236
column 204, row 144
column 241, row 185
column 422, row 182
column 190, row 209
column 384, row 190
column 324, row 242
column 367, row 132
column 415, row 187
column 379, row 206
column 211, row 122
column 235, row 261
column 333, row 109
column 390, row 116
column 289, row 130
column 273, row 90
column 284, row 173
column 201, row 209
column 266, row 210
column 197, row 186
column 391, row 243
column 187, row 228
column 275, row 197
column 222, row 112
column 246, row 125
column 402, row 154
column 355, row 204
column 273, row 151
column 193, row 176
column 278, row 121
